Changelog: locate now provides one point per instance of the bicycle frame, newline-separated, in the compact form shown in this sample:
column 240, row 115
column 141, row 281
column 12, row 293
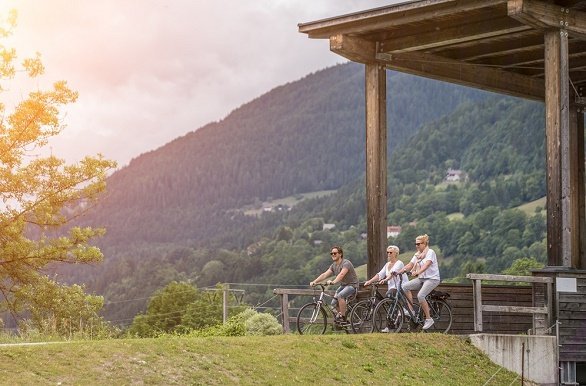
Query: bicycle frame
column 313, row 317
column 397, row 309
column 363, row 311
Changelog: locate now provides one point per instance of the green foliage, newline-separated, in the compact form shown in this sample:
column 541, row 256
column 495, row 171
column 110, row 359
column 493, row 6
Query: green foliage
column 247, row 322
column 179, row 308
column 523, row 267
column 263, row 324
column 41, row 195
column 59, row 310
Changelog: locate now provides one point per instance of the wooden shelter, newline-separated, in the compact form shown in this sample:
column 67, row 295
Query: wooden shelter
column 533, row 49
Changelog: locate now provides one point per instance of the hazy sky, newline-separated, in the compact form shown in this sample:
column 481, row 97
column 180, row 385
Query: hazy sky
column 149, row 71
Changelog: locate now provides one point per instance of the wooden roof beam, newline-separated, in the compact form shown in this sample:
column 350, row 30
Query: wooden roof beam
column 453, row 35
column 496, row 47
column 576, row 62
column 578, row 49
column 448, row 70
column 353, row 48
column 394, row 15
column 544, row 15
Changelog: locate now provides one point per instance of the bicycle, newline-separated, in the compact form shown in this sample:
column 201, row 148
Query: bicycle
column 362, row 312
column 391, row 313
column 312, row 318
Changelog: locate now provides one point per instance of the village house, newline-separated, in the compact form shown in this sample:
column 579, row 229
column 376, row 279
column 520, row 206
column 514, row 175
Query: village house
column 455, row 175
column 393, row 231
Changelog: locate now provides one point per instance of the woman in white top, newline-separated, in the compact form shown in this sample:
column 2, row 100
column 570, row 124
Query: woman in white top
column 425, row 270
column 386, row 273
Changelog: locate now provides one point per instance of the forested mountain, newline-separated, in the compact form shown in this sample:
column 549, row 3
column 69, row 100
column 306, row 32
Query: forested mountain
column 300, row 137
column 173, row 213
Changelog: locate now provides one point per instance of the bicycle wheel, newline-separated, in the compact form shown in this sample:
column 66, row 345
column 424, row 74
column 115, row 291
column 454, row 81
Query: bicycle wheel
column 441, row 312
column 311, row 320
column 388, row 316
column 361, row 317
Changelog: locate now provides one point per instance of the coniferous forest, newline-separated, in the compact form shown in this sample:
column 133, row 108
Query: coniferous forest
column 179, row 212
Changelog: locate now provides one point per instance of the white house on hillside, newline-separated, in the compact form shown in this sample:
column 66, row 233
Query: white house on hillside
column 455, row 175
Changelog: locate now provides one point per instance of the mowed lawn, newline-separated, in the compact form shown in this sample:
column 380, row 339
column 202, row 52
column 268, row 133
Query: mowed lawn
column 369, row 359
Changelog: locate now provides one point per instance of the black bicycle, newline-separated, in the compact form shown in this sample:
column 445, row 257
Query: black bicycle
column 313, row 317
column 362, row 313
column 391, row 313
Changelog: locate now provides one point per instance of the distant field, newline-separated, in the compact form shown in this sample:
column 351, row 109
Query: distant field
column 290, row 201
column 455, row 216
column 530, row 207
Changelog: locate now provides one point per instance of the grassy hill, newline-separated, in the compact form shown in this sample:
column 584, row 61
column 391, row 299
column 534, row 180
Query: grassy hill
column 374, row 359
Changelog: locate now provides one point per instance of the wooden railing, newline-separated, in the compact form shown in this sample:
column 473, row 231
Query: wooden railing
column 461, row 300
column 539, row 324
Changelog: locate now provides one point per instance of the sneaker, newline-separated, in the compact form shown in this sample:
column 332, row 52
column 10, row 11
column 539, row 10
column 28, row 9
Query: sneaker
column 385, row 330
column 428, row 323
column 339, row 318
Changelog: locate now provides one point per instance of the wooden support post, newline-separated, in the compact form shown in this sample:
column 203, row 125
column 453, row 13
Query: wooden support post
column 580, row 160
column 376, row 166
column 477, row 287
column 557, row 129
column 225, row 292
column 285, row 312
column 576, row 184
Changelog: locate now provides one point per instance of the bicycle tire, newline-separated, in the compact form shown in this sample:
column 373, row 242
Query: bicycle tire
column 312, row 320
column 441, row 312
column 388, row 313
column 361, row 317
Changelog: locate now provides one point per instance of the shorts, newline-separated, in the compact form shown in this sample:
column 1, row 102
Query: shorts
column 344, row 292
column 425, row 286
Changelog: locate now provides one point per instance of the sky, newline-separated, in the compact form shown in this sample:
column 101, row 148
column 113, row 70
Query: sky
column 149, row 71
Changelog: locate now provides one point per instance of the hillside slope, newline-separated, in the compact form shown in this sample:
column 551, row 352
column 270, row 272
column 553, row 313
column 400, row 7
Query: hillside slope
column 300, row 137
column 374, row 359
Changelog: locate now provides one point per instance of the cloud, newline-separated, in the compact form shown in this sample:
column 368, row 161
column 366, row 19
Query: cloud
column 148, row 71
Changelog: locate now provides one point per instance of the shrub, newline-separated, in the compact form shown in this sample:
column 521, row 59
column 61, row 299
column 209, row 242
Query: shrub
column 248, row 322
column 263, row 324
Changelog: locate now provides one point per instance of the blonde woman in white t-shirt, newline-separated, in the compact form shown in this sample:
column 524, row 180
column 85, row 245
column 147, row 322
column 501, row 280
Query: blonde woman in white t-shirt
column 386, row 273
column 425, row 270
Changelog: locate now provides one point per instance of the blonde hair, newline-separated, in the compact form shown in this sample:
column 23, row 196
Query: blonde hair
column 424, row 238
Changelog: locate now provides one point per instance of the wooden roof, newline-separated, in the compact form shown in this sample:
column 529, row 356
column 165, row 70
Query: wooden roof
column 495, row 45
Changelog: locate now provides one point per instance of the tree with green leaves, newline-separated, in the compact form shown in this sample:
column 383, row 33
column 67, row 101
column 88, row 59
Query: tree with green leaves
column 41, row 195
column 523, row 267
column 180, row 307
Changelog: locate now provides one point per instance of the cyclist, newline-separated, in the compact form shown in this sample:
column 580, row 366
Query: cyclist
column 425, row 270
column 344, row 273
column 385, row 274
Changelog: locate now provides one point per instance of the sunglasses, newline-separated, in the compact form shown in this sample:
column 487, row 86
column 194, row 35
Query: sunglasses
column 418, row 244
column 334, row 253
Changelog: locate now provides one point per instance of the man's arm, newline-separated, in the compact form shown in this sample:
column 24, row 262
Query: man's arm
column 324, row 275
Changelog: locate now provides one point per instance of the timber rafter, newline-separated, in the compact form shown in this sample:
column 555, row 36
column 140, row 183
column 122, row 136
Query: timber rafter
column 494, row 45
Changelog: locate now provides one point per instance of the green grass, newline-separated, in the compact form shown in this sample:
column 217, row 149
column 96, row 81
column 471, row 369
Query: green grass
column 530, row 207
column 290, row 201
column 371, row 359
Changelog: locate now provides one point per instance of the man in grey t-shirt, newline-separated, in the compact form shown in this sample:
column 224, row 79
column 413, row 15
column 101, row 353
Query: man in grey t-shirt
column 344, row 273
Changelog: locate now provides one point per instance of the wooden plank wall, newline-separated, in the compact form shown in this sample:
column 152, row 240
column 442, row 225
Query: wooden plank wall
column 572, row 317
column 462, row 303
